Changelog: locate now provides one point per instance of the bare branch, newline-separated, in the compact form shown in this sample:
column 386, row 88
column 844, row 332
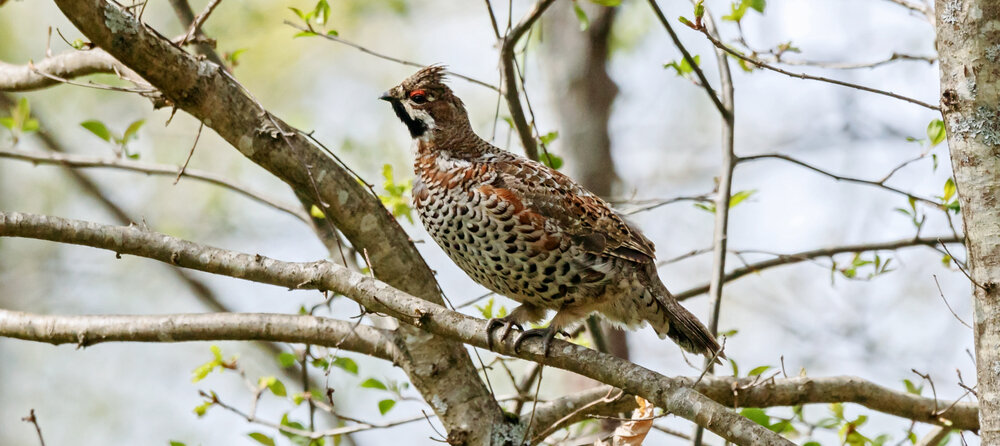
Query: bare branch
column 510, row 77
column 880, row 183
column 63, row 66
column 787, row 259
column 34, row 420
column 761, row 64
column 690, row 60
column 83, row 161
column 88, row 330
column 365, row 50
column 195, row 26
column 745, row 392
column 670, row 394
column 895, row 57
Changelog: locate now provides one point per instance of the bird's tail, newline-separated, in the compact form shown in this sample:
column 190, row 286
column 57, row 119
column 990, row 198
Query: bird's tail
column 681, row 326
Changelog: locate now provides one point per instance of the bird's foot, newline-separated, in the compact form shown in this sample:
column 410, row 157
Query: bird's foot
column 497, row 322
column 547, row 335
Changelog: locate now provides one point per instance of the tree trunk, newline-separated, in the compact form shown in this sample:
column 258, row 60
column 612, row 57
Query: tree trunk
column 969, row 48
column 575, row 65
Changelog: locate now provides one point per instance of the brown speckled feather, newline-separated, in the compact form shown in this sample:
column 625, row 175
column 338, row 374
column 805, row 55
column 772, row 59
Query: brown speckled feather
column 527, row 231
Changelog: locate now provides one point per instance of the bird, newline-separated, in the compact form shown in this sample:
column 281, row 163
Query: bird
column 528, row 232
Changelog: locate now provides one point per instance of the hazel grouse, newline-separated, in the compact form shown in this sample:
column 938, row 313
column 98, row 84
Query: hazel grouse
column 528, row 232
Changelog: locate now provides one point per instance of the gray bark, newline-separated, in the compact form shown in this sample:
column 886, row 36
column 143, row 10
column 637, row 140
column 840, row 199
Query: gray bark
column 969, row 49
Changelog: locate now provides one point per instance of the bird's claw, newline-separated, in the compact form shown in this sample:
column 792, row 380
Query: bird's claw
column 494, row 323
column 546, row 333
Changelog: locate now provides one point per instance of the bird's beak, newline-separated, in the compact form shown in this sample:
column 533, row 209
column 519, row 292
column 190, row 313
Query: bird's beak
column 387, row 96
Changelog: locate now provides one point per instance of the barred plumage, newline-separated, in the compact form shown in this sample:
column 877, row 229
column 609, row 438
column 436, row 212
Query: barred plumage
column 528, row 232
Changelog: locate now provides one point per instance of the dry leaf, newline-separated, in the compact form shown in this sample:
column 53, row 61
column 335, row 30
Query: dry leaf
column 632, row 433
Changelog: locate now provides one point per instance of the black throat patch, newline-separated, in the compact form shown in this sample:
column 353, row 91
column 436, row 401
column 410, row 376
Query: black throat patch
column 417, row 128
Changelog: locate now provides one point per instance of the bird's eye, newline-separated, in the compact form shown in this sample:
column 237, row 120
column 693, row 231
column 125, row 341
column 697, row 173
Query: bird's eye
column 418, row 96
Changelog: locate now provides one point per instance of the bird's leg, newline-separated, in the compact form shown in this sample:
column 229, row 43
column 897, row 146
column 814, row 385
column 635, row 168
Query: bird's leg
column 525, row 313
column 563, row 318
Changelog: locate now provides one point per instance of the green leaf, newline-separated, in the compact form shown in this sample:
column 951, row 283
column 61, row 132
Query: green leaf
column 549, row 137
column 333, row 33
column 699, row 9
column 686, row 22
column 551, row 160
column 838, row 410
column 757, row 416
column 304, row 34
column 98, row 128
column 30, row 125
column 321, row 363
column 385, row 406
column 322, row 12
column 7, row 122
column 486, row 310
column 305, row 16
column 202, row 408
column 316, row 212
column 581, row 16
column 740, row 196
column 261, row 438
column 736, row 368
column 277, row 388
column 949, row 190
column 758, row 5
column 132, row 129
column 758, row 370
column 608, row 3
column 912, row 388
column 372, row 383
column 812, row 443
column 347, row 364
column 234, row 57
column 176, row 443
column 936, row 132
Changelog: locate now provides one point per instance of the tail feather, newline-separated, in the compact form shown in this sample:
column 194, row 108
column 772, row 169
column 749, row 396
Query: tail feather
column 683, row 327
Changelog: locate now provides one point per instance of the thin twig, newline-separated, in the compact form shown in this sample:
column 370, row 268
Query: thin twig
column 690, row 60
column 880, row 183
column 761, row 64
column 34, row 420
column 534, row 405
column 198, row 21
column 80, row 161
column 946, row 302
column 197, row 136
column 510, row 77
column 390, row 58
column 802, row 256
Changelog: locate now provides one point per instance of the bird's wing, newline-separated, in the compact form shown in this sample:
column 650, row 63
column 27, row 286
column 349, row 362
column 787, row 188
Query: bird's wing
column 559, row 203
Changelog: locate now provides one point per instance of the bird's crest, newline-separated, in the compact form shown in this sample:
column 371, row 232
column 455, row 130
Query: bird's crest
column 431, row 75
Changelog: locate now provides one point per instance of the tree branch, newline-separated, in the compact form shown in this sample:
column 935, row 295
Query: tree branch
column 760, row 64
column 88, row 330
column 788, row 259
column 880, row 183
column 752, row 392
column 83, row 161
column 673, row 395
column 690, row 60
column 508, row 69
column 66, row 66
column 437, row 367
